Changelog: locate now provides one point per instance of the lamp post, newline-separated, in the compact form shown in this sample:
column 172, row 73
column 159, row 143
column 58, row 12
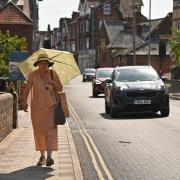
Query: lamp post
column 35, row 23
column 149, row 43
column 35, row 18
column 134, row 32
column 92, row 26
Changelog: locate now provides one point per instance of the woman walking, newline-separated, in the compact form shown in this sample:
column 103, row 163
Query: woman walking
column 42, row 107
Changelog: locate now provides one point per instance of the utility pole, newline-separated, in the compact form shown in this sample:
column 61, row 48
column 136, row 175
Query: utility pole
column 36, row 24
column 92, row 25
column 149, row 52
column 134, row 32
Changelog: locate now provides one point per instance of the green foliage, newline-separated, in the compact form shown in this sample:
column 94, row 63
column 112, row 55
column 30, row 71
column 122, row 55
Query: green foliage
column 175, row 45
column 8, row 44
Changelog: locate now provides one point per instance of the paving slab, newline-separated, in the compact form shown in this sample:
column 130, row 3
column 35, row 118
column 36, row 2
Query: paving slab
column 18, row 156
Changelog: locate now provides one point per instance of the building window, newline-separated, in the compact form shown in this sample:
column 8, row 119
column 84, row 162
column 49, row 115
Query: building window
column 63, row 46
column 145, row 29
column 63, row 30
column 87, row 43
column 107, row 9
column 81, row 44
column 72, row 32
column 84, row 26
column 178, row 25
column 87, row 25
column 73, row 46
column 81, row 27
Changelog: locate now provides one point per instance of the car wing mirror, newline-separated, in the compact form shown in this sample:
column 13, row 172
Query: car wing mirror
column 108, row 81
column 164, row 78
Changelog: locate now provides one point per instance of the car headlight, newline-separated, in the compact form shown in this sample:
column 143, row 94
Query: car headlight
column 163, row 88
column 119, row 88
column 97, row 81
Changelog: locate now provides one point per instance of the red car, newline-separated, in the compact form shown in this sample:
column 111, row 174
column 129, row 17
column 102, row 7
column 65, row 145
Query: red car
column 98, row 83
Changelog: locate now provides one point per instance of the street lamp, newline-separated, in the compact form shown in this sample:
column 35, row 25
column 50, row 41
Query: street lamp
column 35, row 18
column 149, row 52
column 134, row 32
column 92, row 26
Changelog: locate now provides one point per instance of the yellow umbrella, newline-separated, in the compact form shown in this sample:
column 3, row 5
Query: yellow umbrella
column 64, row 64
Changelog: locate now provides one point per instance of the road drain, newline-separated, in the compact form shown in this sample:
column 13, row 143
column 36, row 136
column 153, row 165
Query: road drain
column 124, row 142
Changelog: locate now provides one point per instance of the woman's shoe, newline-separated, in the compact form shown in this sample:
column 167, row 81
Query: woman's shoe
column 41, row 161
column 49, row 161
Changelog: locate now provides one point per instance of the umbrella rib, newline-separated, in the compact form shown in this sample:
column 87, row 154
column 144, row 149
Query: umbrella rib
column 65, row 64
column 56, row 55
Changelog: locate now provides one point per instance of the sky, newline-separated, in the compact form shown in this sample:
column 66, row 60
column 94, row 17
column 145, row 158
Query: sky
column 50, row 11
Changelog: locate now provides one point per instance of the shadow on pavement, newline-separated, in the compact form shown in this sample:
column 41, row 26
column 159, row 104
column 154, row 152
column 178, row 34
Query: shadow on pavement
column 28, row 173
column 132, row 116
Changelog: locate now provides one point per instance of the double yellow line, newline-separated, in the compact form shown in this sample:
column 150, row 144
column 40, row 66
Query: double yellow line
column 92, row 149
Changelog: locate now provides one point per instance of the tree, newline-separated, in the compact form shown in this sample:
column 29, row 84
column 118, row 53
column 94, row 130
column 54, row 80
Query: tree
column 175, row 45
column 8, row 44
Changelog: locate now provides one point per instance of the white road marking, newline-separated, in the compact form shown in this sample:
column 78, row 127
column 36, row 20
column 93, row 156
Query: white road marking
column 91, row 146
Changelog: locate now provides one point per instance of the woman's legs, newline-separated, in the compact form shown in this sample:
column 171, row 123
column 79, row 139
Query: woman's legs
column 42, row 153
column 49, row 153
column 42, row 159
column 49, row 160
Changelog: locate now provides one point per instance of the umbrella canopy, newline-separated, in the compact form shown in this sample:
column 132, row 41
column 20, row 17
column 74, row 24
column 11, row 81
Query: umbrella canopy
column 64, row 64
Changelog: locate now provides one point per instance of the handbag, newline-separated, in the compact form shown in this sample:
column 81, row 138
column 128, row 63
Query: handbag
column 59, row 116
column 64, row 104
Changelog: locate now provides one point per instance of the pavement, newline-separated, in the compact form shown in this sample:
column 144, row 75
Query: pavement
column 173, row 86
column 18, row 157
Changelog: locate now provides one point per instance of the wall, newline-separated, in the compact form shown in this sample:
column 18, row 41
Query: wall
column 6, row 114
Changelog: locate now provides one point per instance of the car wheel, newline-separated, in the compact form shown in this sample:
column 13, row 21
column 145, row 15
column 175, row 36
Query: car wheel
column 113, row 111
column 95, row 93
column 107, row 109
column 164, row 112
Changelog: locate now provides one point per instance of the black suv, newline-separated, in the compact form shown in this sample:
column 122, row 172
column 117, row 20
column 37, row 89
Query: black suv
column 136, row 89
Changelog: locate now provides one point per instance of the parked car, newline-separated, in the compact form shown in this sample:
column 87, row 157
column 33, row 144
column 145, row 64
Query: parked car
column 136, row 89
column 88, row 74
column 98, row 83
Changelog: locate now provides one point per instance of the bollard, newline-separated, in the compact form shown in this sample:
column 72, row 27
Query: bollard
column 15, row 109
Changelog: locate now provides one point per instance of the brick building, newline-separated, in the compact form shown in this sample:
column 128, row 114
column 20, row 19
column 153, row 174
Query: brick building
column 176, row 14
column 160, row 30
column 85, row 28
column 92, row 14
column 114, row 40
column 102, row 34
column 14, row 20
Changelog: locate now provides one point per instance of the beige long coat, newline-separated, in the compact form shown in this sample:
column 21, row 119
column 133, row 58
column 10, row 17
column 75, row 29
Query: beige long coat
column 42, row 109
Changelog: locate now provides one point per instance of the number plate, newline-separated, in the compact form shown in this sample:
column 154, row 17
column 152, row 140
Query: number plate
column 142, row 102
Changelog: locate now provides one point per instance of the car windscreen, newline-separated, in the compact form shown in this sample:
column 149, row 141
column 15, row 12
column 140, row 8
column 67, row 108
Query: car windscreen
column 103, row 73
column 136, row 75
column 89, row 70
